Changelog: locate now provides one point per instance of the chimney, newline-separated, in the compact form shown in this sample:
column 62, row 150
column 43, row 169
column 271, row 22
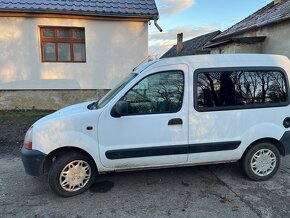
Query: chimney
column 179, row 45
column 277, row 2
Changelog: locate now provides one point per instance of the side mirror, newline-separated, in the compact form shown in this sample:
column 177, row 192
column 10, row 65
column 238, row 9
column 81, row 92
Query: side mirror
column 120, row 109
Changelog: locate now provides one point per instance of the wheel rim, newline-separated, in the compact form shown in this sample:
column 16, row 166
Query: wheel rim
column 263, row 162
column 75, row 175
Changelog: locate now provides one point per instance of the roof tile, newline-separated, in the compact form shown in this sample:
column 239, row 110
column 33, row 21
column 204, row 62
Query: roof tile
column 269, row 14
column 192, row 46
column 121, row 8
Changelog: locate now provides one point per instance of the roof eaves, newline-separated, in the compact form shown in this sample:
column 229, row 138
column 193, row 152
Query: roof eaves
column 216, row 44
column 80, row 13
column 242, row 40
column 156, row 16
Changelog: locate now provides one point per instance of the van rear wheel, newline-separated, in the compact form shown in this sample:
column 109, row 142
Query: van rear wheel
column 261, row 161
column 71, row 174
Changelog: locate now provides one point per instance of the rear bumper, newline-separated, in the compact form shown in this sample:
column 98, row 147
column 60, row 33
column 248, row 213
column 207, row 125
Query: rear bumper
column 285, row 141
column 33, row 161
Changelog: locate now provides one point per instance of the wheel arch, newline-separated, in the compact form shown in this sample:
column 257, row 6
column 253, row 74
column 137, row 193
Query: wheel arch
column 59, row 151
column 273, row 141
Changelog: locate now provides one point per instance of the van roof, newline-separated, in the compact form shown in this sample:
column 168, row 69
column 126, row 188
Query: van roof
column 219, row 60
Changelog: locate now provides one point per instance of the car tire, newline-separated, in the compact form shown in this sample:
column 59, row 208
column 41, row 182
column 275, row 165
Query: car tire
column 261, row 161
column 71, row 174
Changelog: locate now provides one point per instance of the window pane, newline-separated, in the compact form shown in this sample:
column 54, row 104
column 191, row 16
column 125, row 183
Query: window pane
column 63, row 44
column 47, row 33
column 79, row 52
column 63, row 33
column 48, row 51
column 217, row 89
column 158, row 93
column 79, row 34
column 64, row 52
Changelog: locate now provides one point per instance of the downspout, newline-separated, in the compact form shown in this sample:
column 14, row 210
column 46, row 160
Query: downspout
column 157, row 26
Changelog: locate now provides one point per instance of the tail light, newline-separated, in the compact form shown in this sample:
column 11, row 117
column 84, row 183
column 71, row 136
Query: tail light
column 28, row 139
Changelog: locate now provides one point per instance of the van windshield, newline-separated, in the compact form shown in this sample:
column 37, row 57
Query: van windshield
column 111, row 94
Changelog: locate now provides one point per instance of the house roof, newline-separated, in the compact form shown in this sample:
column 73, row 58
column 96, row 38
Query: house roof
column 192, row 46
column 271, row 13
column 112, row 8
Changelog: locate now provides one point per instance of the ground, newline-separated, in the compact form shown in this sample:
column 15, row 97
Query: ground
column 200, row 191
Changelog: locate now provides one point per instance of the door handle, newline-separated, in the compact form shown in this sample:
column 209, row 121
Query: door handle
column 175, row 121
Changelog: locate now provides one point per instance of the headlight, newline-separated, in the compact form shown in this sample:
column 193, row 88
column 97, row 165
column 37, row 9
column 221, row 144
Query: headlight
column 28, row 139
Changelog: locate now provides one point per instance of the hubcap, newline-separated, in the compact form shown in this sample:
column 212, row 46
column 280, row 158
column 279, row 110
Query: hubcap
column 75, row 175
column 263, row 162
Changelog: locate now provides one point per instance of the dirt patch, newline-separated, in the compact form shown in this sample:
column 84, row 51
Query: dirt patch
column 102, row 187
column 13, row 126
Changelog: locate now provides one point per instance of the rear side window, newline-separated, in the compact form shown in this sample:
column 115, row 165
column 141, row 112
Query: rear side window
column 222, row 90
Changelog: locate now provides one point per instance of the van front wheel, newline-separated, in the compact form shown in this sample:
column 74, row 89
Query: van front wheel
column 71, row 174
column 261, row 161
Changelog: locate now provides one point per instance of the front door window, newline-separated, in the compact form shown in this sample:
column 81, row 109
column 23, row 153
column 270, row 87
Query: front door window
column 157, row 93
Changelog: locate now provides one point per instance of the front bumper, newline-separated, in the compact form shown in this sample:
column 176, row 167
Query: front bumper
column 33, row 161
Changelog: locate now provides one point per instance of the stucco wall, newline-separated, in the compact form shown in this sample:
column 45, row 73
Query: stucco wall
column 238, row 48
column 277, row 41
column 113, row 49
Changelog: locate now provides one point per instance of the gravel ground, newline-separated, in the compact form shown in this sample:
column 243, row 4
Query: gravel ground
column 201, row 191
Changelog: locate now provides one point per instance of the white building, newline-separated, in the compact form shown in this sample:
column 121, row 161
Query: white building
column 55, row 52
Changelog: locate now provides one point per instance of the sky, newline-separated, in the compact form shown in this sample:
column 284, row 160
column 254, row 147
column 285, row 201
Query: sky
column 196, row 17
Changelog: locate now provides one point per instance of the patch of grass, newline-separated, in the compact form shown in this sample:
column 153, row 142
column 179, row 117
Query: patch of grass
column 24, row 113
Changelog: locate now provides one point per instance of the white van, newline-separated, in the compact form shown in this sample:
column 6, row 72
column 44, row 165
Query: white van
column 171, row 112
